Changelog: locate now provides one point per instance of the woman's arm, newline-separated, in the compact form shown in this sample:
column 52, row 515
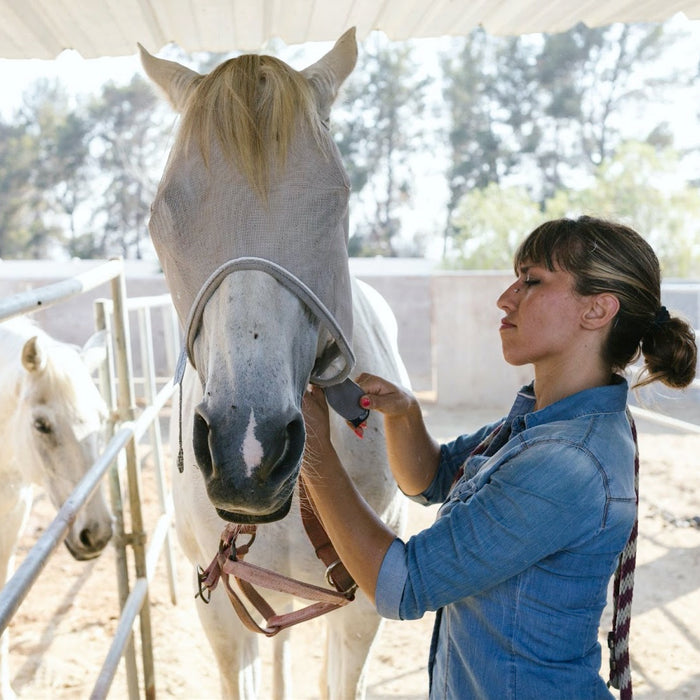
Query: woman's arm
column 413, row 454
column 358, row 535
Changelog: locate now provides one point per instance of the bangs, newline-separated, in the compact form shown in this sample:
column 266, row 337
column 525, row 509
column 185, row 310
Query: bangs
column 559, row 244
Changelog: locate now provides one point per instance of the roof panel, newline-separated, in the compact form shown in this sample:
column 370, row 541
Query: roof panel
column 43, row 28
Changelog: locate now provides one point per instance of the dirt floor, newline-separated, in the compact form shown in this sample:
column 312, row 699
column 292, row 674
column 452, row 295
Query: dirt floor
column 62, row 633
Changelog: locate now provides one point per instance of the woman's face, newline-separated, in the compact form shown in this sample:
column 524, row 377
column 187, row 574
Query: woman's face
column 542, row 322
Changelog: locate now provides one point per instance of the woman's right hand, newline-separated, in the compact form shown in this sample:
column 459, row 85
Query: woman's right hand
column 385, row 397
column 413, row 454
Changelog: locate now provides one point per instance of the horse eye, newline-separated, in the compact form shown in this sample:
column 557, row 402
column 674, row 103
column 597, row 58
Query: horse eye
column 42, row 425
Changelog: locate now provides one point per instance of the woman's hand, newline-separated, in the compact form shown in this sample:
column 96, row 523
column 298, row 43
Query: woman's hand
column 385, row 397
column 413, row 454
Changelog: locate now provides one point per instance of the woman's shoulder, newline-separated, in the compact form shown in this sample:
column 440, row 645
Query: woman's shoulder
column 598, row 447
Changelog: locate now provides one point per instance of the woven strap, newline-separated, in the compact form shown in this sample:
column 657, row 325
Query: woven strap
column 623, row 587
column 229, row 562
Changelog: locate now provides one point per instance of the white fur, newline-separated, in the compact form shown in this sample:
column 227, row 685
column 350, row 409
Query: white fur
column 252, row 449
column 51, row 428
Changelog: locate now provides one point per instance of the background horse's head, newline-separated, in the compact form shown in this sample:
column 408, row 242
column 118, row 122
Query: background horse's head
column 59, row 430
column 254, row 174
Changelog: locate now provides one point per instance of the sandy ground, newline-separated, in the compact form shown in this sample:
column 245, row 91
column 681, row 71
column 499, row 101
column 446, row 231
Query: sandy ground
column 62, row 633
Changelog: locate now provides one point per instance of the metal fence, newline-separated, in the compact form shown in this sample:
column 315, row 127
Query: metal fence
column 120, row 461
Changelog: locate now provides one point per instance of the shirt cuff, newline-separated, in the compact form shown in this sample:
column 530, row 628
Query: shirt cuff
column 391, row 581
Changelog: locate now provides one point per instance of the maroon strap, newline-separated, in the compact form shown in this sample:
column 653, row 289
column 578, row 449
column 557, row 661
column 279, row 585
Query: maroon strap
column 228, row 562
column 623, row 588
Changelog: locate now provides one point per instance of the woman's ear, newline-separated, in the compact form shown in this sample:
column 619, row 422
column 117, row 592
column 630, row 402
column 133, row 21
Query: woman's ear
column 601, row 310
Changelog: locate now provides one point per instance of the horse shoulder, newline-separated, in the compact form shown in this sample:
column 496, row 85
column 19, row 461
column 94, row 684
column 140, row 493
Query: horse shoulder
column 375, row 335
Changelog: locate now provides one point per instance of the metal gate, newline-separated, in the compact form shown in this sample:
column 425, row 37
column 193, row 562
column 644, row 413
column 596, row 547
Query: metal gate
column 119, row 460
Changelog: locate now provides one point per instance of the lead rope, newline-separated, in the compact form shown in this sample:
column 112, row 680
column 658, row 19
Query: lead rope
column 623, row 587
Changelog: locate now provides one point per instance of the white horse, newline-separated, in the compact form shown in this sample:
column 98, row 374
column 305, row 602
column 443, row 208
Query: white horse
column 52, row 424
column 250, row 225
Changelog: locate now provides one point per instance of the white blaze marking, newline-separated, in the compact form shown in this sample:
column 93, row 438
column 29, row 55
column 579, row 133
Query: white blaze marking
column 252, row 449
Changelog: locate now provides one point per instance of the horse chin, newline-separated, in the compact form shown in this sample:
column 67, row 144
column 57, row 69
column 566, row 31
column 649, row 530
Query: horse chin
column 255, row 518
column 81, row 554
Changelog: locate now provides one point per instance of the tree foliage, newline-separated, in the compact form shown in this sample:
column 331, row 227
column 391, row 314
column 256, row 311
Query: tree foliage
column 377, row 127
column 545, row 111
column 519, row 128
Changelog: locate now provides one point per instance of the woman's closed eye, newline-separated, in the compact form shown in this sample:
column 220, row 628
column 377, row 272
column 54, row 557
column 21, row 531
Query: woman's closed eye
column 530, row 281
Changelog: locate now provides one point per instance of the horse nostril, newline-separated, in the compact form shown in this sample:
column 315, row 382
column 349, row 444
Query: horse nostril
column 295, row 440
column 85, row 538
column 200, row 441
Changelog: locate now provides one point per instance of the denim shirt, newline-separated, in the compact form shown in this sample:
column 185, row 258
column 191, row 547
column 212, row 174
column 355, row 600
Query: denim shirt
column 518, row 561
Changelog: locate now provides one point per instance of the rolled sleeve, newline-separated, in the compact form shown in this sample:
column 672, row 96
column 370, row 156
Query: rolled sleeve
column 391, row 581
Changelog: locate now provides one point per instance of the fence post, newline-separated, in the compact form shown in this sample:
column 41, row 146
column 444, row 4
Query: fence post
column 126, row 410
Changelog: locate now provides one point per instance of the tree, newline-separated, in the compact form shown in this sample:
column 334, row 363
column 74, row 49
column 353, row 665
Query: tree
column 127, row 142
column 489, row 223
column 543, row 111
column 378, row 126
column 639, row 186
column 17, row 157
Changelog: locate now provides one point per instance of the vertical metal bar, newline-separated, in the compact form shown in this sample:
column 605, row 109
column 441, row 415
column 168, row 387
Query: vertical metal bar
column 102, row 323
column 150, row 391
column 127, row 412
column 171, row 330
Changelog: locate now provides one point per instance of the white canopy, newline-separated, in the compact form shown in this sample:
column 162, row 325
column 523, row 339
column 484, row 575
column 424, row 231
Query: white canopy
column 44, row 28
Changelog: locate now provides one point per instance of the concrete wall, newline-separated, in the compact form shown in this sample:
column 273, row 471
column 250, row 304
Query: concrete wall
column 448, row 322
column 470, row 369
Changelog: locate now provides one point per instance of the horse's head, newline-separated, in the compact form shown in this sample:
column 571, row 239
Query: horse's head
column 61, row 424
column 250, row 222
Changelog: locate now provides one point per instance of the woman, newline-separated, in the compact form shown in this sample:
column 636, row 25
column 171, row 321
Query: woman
column 537, row 507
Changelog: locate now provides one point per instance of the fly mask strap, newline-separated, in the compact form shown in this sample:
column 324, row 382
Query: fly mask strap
column 291, row 282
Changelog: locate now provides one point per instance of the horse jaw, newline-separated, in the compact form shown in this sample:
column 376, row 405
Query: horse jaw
column 254, row 362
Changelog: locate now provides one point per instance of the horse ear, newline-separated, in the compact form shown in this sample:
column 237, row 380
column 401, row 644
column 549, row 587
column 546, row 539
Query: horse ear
column 34, row 355
column 328, row 74
column 175, row 80
column 94, row 352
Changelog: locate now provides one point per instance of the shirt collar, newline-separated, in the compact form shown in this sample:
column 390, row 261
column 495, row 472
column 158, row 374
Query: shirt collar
column 611, row 398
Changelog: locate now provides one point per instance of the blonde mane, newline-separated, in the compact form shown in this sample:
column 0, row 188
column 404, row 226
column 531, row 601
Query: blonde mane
column 251, row 105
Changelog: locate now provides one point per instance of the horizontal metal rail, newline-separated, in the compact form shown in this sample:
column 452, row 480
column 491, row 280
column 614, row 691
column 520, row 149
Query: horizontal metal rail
column 43, row 297
column 667, row 421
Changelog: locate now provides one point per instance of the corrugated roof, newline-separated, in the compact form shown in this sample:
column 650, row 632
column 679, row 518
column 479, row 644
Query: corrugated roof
column 44, row 28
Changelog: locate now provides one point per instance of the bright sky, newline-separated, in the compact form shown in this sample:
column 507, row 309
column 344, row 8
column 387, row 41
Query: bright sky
column 82, row 76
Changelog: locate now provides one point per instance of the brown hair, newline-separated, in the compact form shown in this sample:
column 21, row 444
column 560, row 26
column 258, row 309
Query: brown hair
column 608, row 257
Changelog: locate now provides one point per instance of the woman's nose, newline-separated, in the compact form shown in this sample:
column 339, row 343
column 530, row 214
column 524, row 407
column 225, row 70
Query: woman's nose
column 509, row 298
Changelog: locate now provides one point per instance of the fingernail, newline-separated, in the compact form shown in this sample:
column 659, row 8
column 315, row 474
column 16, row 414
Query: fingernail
column 364, row 402
column 359, row 432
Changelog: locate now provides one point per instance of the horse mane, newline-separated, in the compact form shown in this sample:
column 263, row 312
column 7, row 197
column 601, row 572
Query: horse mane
column 251, row 105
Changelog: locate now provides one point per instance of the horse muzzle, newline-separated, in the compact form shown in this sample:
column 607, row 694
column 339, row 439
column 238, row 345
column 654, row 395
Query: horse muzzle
column 250, row 472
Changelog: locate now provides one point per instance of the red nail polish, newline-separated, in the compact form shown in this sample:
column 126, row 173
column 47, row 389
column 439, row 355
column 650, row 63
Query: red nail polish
column 364, row 402
column 359, row 432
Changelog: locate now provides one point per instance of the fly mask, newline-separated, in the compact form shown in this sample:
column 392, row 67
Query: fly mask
column 210, row 220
